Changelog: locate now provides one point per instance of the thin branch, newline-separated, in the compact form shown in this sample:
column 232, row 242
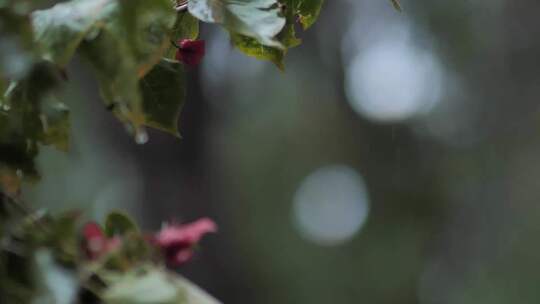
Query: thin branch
column 181, row 5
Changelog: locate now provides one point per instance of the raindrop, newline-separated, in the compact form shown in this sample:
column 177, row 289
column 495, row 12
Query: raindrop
column 141, row 137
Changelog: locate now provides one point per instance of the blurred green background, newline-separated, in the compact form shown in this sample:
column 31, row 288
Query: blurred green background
column 395, row 161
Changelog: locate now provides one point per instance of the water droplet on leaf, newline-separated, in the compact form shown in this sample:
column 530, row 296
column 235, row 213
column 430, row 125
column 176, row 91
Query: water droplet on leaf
column 141, row 137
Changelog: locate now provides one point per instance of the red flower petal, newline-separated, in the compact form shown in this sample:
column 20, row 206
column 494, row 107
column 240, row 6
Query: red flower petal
column 94, row 240
column 96, row 243
column 177, row 241
column 190, row 52
column 92, row 230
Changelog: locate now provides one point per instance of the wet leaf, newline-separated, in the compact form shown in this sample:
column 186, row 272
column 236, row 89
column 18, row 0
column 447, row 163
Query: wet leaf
column 304, row 11
column 60, row 29
column 164, row 96
column 253, row 48
column 185, row 27
column 259, row 19
column 149, row 285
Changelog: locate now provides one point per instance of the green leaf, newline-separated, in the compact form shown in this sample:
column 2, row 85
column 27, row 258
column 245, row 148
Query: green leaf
column 144, row 286
column 151, row 285
column 252, row 47
column 60, row 29
column 118, row 223
column 164, row 95
column 307, row 10
column 122, row 40
column 30, row 114
column 134, row 38
column 259, row 19
column 147, row 28
column 304, row 11
column 62, row 237
column 185, row 27
column 116, row 73
column 31, row 111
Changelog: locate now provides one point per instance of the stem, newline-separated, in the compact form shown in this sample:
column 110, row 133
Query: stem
column 175, row 44
column 181, row 5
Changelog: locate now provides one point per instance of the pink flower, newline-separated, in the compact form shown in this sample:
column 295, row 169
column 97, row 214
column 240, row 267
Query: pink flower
column 177, row 241
column 96, row 243
column 190, row 52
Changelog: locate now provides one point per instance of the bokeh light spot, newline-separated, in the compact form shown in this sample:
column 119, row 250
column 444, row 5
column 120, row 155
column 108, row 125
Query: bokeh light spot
column 331, row 205
column 392, row 80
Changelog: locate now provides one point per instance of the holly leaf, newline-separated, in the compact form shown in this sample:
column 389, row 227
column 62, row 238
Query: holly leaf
column 259, row 19
column 163, row 92
column 119, row 223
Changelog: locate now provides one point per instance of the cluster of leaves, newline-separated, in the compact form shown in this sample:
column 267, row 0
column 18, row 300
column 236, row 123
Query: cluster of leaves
column 52, row 259
column 138, row 51
column 128, row 45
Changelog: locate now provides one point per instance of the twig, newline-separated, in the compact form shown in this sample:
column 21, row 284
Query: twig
column 181, row 5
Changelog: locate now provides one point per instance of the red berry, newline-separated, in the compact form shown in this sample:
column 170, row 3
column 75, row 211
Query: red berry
column 190, row 52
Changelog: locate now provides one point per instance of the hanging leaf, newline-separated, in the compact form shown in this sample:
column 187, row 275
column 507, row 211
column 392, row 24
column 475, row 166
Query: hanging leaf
column 185, row 27
column 259, row 19
column 134, row 35
column 304, row 11
column 253, row 48
column 163, row 92
column 117, row 76
column 147, row 27
column 60, row 29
